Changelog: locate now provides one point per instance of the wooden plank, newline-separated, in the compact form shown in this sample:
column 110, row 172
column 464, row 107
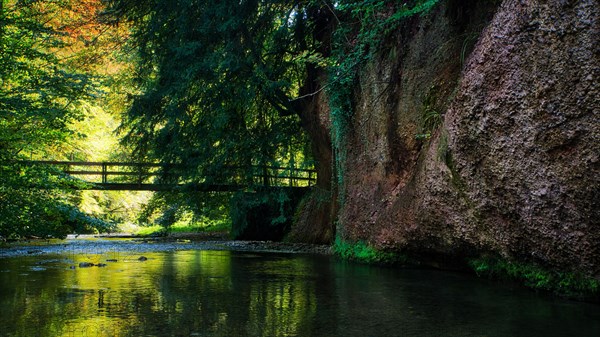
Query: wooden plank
column 92, row 163
column 166, row 187
column 271, row 176
column 109, row 173
column 137, row 164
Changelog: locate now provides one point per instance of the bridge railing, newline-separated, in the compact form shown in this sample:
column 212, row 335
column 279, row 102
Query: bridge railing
column 126, row 175
column 104, row 172
column 283, row 176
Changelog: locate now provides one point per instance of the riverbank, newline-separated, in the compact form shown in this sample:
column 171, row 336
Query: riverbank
column 101, row 244
column 562, row 285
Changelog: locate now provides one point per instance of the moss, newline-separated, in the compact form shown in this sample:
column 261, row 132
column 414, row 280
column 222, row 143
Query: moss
column 363, row 252
column 567, row 284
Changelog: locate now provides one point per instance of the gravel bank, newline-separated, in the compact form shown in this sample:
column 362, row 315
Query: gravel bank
column 101, row 245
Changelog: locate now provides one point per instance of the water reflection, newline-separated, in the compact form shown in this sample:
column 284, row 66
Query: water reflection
column 219, row 293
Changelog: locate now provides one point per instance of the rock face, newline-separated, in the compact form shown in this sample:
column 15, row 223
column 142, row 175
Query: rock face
column 496, row 151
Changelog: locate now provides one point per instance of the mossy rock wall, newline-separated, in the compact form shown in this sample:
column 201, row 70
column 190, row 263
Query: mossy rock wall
column 511, row 165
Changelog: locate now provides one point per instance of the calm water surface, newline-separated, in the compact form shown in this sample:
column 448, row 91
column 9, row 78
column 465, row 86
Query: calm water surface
column 222, row 293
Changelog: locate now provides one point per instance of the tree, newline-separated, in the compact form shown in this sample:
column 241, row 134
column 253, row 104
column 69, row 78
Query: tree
column 39, row 98
column 216, row 83
column 228, row 84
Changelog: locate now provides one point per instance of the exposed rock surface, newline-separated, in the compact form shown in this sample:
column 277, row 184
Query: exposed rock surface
column 512, row 163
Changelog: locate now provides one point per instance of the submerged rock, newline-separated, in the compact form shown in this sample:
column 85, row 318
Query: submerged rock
column 85, row 264
column 142, row 258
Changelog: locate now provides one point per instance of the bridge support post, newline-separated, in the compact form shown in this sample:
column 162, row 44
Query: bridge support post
column 139, row 167
column 265, row 176
column 104, row 173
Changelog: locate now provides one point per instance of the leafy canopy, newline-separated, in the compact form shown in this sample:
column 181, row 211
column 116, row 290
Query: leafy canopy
column 218, row 80
column 40, row 94
column 215, row 81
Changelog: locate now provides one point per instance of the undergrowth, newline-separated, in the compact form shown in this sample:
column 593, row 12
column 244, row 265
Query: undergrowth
column 431, row 118
column 566, row 284
column 223, row 226
column 362, row 252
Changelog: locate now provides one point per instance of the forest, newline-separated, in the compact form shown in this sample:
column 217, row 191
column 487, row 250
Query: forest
column 182, row 82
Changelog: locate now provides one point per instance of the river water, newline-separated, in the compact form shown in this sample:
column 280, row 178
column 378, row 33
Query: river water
column 229, row 293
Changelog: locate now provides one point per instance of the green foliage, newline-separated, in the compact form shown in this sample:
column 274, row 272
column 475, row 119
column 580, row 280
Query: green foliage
column 170, row 210
column 37, row 202
column 341, row 107
column 207, row 225
column 362, row 252
column 263, row 214
column 41, row 94
column 242, row 203
column 202, row 226
column 215, row 82
column 568, row 284
column 376, row 19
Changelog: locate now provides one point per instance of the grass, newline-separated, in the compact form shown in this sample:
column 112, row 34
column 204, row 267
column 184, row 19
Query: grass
column 363, row 252
column 179, row 228
column 564, row 284
column 567, row 284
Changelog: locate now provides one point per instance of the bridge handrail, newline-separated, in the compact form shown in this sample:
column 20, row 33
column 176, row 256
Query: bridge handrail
column 146, row 164
column 91, row 163
column 281, row 177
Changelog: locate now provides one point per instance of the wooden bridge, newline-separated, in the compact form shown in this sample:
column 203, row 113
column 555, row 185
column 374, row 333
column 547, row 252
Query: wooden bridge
column 130, row 176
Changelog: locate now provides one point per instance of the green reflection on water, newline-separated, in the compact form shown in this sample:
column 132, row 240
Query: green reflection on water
column 176, row 293
column 219, row 293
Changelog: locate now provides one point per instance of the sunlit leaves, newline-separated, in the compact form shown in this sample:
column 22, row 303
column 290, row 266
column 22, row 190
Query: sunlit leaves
column 215, row 80
column 38, row 95
column 213, row 73
column 41, row 91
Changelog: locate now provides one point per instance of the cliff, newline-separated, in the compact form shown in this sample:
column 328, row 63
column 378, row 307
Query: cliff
column 475, row 131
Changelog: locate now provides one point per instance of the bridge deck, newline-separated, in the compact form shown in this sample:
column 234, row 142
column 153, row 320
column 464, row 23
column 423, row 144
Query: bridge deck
column 130, row 176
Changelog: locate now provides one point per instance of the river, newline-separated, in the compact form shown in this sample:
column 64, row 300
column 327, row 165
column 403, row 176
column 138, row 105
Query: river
column 206, row 292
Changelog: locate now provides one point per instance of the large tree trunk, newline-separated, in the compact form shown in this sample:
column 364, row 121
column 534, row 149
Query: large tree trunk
column 316, row 214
